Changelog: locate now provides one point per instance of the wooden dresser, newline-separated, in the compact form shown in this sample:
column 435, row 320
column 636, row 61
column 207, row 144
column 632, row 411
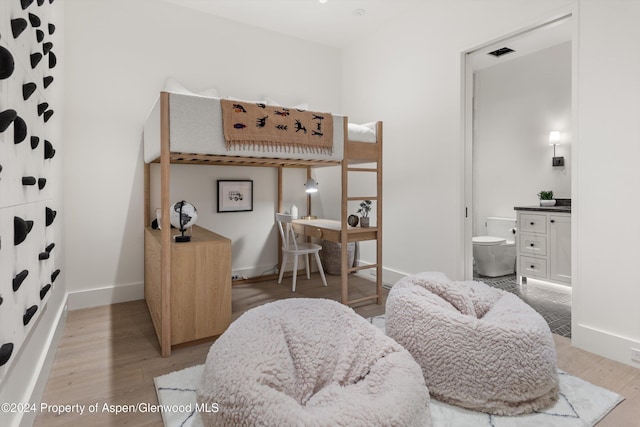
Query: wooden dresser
column 200, row 289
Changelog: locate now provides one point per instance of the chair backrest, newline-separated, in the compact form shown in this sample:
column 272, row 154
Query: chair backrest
column 286, row 231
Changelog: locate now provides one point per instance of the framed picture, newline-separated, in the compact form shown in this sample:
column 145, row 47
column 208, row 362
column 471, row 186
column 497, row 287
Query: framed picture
column 235, row 195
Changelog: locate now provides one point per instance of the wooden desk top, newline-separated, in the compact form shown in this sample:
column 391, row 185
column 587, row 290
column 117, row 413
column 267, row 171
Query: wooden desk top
column 329, row 229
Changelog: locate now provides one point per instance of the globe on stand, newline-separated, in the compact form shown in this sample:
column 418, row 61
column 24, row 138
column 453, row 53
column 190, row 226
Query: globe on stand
column 182, row 215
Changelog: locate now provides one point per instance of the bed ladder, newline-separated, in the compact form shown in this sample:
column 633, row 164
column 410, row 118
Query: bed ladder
column 353, row 155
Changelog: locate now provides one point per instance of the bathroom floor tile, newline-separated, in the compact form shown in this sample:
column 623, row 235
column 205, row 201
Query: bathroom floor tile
column 553, row 306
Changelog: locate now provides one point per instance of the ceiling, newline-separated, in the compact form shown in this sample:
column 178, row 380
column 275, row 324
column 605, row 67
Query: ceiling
column 333, row 23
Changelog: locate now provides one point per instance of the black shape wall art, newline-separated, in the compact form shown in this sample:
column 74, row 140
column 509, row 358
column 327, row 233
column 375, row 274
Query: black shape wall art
column 35, row 59
column 6, row 118
column 18, row 25
column 28, row 314
column 44, row 291
column 29, row 180
column 5, row 352
column 7, row 64
column 49, row 215
column 42, row 107
column 52, row 59
column 25, row 3
column 49, row 151
column 17, row 281
column 28, row 89
column 28, row 205
column 34, row 20
column 47, row 115
column 19, row 130
column 21, row 228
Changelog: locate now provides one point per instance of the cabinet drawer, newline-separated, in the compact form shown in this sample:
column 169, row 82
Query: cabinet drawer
column 533, row 223
column 533, row 267
column 532, row 244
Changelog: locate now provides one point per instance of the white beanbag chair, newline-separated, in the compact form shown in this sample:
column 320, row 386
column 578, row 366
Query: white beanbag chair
column 479, row 347
column 310, row 362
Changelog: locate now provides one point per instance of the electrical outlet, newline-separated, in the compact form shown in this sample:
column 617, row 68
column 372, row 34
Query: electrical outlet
column 635, row 354
column 235, row 276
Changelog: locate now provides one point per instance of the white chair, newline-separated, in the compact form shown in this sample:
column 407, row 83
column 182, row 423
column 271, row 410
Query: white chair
column 291, row 246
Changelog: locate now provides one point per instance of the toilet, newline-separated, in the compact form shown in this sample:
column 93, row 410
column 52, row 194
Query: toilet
column 495, row 254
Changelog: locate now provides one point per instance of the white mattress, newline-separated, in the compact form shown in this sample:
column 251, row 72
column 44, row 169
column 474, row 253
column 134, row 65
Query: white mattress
column 196, row 127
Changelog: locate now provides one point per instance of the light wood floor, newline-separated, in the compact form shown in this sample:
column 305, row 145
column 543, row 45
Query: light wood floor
column 110, row 355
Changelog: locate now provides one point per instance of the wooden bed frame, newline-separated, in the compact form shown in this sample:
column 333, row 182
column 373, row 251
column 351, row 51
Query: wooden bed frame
column 355, row 154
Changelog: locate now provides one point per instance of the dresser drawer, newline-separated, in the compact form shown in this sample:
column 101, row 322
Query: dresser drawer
column 532, row 223
column 533, row 267
column 532, row 244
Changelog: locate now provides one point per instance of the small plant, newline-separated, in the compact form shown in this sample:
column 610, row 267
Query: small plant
column 365, row 208
column 545, row 195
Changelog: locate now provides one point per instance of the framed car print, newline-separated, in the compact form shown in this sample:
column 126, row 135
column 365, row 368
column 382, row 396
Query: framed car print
column 235, row 195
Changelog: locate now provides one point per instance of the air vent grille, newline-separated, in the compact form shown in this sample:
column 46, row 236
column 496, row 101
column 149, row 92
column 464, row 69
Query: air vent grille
column 502, row 51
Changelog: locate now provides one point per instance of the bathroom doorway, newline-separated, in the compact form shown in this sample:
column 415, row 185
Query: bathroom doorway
column 518, row 89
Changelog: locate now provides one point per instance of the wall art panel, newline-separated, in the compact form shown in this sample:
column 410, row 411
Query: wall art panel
column 27, row 211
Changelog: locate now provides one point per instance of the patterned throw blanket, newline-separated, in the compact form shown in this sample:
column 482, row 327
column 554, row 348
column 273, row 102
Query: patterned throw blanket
column 257, row 126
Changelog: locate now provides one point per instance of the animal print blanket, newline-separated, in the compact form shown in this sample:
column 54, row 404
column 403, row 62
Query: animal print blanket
column 257, row 126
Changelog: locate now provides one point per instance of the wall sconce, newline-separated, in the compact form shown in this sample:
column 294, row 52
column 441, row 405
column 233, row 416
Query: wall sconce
column 554, row 139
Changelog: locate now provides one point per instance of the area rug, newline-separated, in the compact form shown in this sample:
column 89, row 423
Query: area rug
column 580, row 404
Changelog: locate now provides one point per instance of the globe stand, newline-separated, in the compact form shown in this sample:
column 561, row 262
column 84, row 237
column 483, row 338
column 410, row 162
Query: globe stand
column 182, row 238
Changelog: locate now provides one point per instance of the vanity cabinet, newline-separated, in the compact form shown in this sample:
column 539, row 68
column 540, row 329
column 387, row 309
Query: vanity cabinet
column 544, row 246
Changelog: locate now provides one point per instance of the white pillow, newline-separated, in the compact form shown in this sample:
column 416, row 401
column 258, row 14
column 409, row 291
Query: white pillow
column 173, row 85
column 212, row 92
column 303, row 107
column 270, row 101
column 361, row 133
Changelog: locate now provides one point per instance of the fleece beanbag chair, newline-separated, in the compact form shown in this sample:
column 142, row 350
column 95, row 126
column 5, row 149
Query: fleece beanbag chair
column 310, row 362
column 479, row 347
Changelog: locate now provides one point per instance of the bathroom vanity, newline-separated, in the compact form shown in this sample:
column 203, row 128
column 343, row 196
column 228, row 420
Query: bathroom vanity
column 543, row 243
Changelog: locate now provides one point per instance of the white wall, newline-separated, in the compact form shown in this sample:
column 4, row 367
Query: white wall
column 605, row 315
column 517, row 103
column 409, row 75
column 119, row 54
column 415, row 89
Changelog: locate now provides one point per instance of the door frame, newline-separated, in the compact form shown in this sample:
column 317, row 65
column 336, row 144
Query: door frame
column 467, row 115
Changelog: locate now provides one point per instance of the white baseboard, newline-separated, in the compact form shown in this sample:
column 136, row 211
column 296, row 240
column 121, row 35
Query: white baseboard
column 244, row 273
column 603, row 343
column 105, row 296
column 28, row 377
column 389, row 276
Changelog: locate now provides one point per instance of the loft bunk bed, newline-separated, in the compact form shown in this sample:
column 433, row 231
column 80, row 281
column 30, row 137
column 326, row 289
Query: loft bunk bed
column 187, row 129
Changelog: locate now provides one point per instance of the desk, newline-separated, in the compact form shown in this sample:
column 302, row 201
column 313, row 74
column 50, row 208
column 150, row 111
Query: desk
column 334, row 231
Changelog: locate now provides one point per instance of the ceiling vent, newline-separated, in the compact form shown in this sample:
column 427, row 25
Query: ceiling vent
column 502, row 51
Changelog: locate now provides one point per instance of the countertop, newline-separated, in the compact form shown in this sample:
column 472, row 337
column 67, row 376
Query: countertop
column 563, row 209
